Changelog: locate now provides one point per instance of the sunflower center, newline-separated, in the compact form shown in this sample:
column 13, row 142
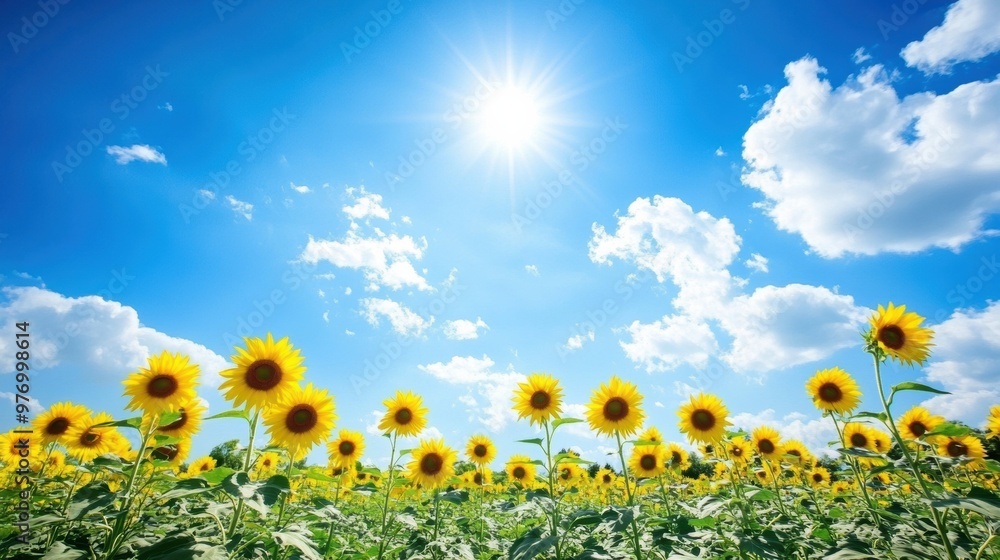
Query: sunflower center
column 338, row 471
column 606, row 478
column 648, row 462
column 616, row 409
column 859, row 440
column 830, row 392
column 565, row 474
column 267, row 463
column 263, row 375
column 540, row 400
column 675, row 458
column 166, row 453
column 57, row 426
column 301, row 418
column 737, row 451
column 703, row 420
column 478, row 479
column 957, row 449
column 817, row 477
column 795, row 453
column 766, row 446
column 346, row 447
column 90, row 439
column 431, row 464
column 479, row 450
column 918, row 428
column 176, row 424
column 519, row 473
column 892, row 336
column 403, row 416
column 204, row 467
column 709, row 449
column 162, row 386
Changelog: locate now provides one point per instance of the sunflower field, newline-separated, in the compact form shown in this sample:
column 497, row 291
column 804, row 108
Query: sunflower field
column 905, row 484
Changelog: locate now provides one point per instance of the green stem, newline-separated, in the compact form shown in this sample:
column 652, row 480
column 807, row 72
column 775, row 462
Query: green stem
column 550, row 468
column 115, row 539
column 336, row 500
column 246, row 468
column 631, row 499
column 388, row 491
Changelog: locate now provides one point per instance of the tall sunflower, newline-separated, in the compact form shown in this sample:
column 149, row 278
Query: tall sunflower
column 200, row 466
column 11, row 444
column 265, row 371
column 707, row 450
column 347, row 449
column 54, row 424
column 767, row 443
column 615, row 407
column 191, row 414
column 538, row 398
column 834, row 390
column 795, row 452
column 738, row 449
column 993, row 422
column 900, row 335
column 301, row 419
column 916, row 422
column 960, row 446
column 172, row 453
column 648, row 461
column 651, row 434
column 569, row 474
column 819, row 476
column 267, row 462
column 168, row 381
column 606, row 477
column 433, row 464
column 405, row 414
column 859, row 436
column 85, row 442
column 520, row 469
column 676, row 457
column 703, row 418
column 480, row 450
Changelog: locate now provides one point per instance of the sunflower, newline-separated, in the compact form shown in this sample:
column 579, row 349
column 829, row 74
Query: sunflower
column 54, row 423
column 478, row 478
column 85, row 442
column 651, row 434
column 165, row 384
column 993, row 422
column 199, row 466
column 520, row 469
column 433, row 463
column 900, row 335
column 265, row 371
column 405, row 414
column 916, row 422
column 795, row 452
column 615, row 408
column 960, row 446
column 676, row 457
column 300, row 419
column 11, row 445
column 191, row 414
column 738, row 449
column 819, row 476
column 703, row 418
column 881, row 441
column 648, row 461
column 859, row 436
column 480, row 450
column 761, row 474
column 172, row 453
column 569, row 474
column 539, row 398
column 605, row 478
column 707, row 450
column 56, row 462
column 767, row 443
column 834, row 390
column 347, row 449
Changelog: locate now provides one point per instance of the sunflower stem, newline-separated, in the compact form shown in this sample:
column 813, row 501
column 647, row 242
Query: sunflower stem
column 552, row 492
column 388, row 491
column 246, row 468
column 115, row 538
column 628, row 492
column 336, row 501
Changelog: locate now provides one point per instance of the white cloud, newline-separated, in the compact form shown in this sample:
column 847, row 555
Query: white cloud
column 384, row 260
column 670, row 342
column 860, row 56
column 924, row 159
column 347, row 291
column 658, row 404
column 531, row 269
column 206, row 194
column 756, row 262
column 326, row 316
column 969, row 33
column 463, row 329
column 240, row 208
column 34, row 407
column 166, row 107
column 815, row 433
column 495, row 388
column 366, row 205
column 403, row 320
column 97, row 339
column 965, row 362
column 406, row 220
column 720, row 152
column 141, row 152
column 744, row 91
column 301, row 189
column 349, row 332
column 576, row 341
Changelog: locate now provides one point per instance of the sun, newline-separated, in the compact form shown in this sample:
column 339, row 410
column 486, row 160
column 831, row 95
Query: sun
column 510, row 117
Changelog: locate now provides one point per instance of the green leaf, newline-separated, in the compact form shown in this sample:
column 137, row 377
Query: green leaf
column 93, row 496
column 530, row 544
column 536, row 441
column 859, row 452
column 217, row 475
column 455, row 496
column 231, row 414
column 186, row 487
column 560, row 421
column 168, row 418
column 639, row 442
column 59, row 551
column 181, row 547
column 299, row 541
column 911, row 386
column 876, row 415
column 948, row 429
column 134, row 423
column 755, row 494
column 979, row 500
column 702, row 522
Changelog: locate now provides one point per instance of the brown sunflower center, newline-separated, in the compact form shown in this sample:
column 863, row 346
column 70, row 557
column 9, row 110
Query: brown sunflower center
column 675, row 458
column 176, row 424
column 403, row 416
column 161, row 386
column 817, row 477
column 165, row 453
column 519, row 473
column 736, row 451
column 479, row 450
column 478, row 479
column 795, row 453
column 337, row 471
column 703, row 420
column 301, row 418
column 205, row 467
column 606, row 479
column 647, row 462
column 892, row 337
column 830, row 392
column 766, row 446
column 540, row 400
column 57, row 426
column 90, row 439
column 267, row 463
column 957, row 449
column 346, row 448
column 709, row 449
column 431, row 464
column 859, row 440
column 616, row 409
column 565, row 474
column 918, row 428
column 263, row 375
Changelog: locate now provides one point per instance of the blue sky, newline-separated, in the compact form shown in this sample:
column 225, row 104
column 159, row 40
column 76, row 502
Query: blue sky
column 708, row 195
